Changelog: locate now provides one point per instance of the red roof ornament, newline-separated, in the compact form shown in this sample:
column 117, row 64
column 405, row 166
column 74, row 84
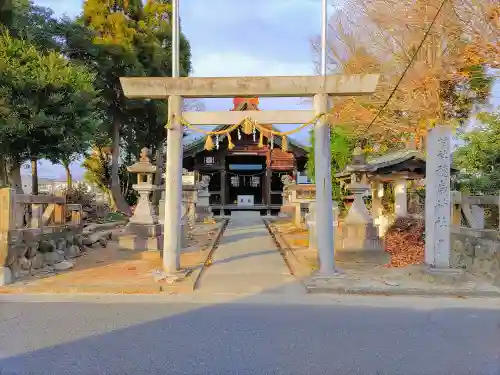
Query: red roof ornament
column 237, row 102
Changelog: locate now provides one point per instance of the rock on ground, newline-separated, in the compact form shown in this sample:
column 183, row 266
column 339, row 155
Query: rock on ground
column 5, row 276
column 63, row 266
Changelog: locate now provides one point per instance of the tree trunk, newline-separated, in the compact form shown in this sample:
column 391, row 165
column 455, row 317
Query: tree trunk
column 17, row 185
column 3, row 171
column 159, row 173
column 15, row 177
column 69, row 177
column 120, row 202
column 34, row 176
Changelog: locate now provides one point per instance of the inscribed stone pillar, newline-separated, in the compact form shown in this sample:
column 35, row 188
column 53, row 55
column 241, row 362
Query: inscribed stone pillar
column 400, row 198
column 438, row 198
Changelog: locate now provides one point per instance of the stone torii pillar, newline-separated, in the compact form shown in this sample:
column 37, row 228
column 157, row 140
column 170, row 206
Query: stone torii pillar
column 319, row 87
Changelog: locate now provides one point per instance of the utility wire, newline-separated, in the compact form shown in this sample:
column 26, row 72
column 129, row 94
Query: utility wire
column 408, row 66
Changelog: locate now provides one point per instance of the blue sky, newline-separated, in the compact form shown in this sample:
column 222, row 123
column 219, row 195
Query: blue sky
column 238, row 38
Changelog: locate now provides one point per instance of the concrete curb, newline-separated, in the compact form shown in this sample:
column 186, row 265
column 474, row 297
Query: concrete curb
column 374, row 291
column 400, row 291
column 197, row 273
column 296, row 268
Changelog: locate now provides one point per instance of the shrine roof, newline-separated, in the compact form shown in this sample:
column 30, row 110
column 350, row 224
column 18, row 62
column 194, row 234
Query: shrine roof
column 397, row 161
column 395, row 157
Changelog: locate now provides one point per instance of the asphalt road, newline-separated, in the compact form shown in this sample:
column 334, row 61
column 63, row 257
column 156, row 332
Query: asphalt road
column 249, row 335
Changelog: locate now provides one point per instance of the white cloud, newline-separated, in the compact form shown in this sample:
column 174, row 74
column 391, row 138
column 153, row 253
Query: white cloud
column 235, row 64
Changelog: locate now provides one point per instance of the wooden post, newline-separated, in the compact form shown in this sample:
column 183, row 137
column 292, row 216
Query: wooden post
column 60, row 212
column 223, row 184
column 36, row 215
column 7, row 222
column 76, row 218
column 323, row 178
column 269, row 174
column 173, row 189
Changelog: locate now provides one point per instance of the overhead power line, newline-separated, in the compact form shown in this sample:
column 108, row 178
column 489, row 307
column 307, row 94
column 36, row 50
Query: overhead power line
column 409, row 65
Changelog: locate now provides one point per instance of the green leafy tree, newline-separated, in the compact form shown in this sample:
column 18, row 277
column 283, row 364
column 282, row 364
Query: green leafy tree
column 119, row 39
column 97, row 166
column 36, row 25
column 33, row 23
column 341, row 146
column 46, row 100
column 479, row 158
column 6, row 13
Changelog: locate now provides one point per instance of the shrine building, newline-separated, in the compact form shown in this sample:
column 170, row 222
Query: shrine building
column 248, row 175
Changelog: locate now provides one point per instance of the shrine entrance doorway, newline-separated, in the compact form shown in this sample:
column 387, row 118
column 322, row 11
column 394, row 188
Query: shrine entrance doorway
column 245, row 181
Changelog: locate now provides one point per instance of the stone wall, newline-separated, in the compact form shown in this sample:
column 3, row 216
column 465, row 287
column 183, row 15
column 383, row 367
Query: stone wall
column 478, row 251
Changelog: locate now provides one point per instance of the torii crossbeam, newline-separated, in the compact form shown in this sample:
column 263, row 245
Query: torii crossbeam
column 175, row 89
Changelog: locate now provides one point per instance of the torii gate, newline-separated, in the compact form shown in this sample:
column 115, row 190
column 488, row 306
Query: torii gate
column 318, row 87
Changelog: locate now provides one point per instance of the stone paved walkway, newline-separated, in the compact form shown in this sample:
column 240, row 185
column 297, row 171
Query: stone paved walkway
column 248, row 261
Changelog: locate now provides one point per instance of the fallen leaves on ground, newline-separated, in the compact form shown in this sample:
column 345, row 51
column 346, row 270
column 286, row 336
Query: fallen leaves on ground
column 405, row 242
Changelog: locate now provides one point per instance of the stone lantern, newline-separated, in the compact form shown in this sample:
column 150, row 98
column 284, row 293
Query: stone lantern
column 143, row 232
column 203, row 209
column 359, row 232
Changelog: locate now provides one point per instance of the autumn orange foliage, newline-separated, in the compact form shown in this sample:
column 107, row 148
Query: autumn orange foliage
column 382, row 36
column 405, row 242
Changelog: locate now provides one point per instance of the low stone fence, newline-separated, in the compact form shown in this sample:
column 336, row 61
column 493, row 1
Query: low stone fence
column 36, row 230
column 477, row 251
column 476, row 212
column 296, row 200
column 475, row 240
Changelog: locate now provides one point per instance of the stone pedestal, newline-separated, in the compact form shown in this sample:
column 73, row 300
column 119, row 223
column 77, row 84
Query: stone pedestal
column 134, row 242
column 203, row 209
column 358, row 232
column 143, row 232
